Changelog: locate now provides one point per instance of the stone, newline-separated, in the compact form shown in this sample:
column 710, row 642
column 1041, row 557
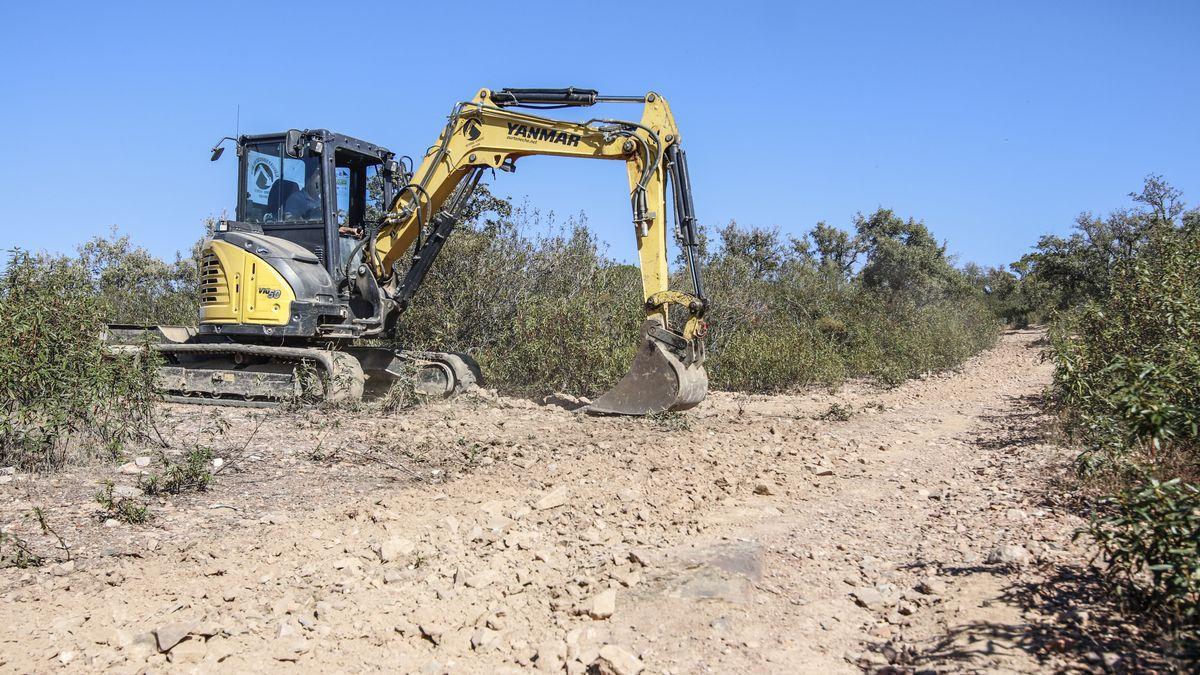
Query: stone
column 763, row 489
column 550, row 656
column 552, row 499
column 616, row 660
column 207, row 628
column 126, row 491
column 289, row 649
column 131, row 469
column 602, row 605
column 483, row 639
column 480, row 580
column 931, row 586
column 1006, row 554
column 189, row 650
column 639, row 557
column 627, row 578
column 867, row 597
column 394, row 549
column 170, row 635
column 434, row 632
column 63, row 569
column 562, row 400
column 141, row 645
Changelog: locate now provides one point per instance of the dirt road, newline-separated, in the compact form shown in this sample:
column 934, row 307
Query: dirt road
column 829, row 532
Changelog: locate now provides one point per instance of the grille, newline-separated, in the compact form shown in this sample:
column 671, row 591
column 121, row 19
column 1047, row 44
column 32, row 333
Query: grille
column 213, row 289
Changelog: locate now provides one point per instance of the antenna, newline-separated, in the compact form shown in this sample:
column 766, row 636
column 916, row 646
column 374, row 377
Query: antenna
column 237, row 125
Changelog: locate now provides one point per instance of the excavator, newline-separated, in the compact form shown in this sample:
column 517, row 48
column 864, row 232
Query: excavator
column 333, row 237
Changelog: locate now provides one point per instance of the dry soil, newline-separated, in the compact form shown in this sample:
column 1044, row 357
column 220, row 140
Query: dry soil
column 913, row 528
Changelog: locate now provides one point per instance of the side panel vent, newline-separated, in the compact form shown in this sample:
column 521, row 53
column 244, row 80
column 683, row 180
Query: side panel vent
column 213, row 288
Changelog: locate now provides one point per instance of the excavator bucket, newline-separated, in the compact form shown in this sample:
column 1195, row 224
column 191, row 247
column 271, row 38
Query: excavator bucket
column 661, row 378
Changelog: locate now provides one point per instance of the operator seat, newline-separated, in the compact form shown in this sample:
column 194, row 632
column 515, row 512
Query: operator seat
column 278, row 196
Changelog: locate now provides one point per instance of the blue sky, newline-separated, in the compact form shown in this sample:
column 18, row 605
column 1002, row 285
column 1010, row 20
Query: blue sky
column 992, row 122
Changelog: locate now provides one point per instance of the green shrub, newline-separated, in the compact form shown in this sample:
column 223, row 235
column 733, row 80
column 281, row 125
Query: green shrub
column 1127, row 381
column 192, row 472
column 1127, row 368
column 61, row 396
column 542, row 308
column 137, row 287
column 125, row 509
column 1150, row 538
column 539, row 312
column 16, row 551
column 807, row 322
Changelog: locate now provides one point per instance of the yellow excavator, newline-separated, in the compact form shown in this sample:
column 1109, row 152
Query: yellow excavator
column 333, row 237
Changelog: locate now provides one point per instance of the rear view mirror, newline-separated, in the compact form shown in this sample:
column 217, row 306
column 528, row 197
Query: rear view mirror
column 216, row 153
column 293, row 143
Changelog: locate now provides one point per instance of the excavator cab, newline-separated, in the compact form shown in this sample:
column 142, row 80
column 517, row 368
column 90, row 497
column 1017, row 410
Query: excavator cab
column 314, row 188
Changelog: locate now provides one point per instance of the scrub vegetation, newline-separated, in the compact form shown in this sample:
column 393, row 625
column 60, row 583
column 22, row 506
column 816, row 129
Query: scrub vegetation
column 542, row 306
column 60, row 396
column 1123, row 295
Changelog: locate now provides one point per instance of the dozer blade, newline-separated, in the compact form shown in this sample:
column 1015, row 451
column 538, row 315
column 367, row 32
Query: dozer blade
column 658, row 380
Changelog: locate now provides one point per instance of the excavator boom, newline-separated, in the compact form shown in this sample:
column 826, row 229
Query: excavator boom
column 489, row 132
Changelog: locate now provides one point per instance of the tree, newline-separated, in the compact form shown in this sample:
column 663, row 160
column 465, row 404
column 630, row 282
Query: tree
column 1069, row 271
column 902, row 257
column 836, row 250
column 757, row 247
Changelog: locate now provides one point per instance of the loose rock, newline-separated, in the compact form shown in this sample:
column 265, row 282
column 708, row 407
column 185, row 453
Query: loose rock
column 169, row 635
column 1007, row 553
column 616, row 660
column 602, row 605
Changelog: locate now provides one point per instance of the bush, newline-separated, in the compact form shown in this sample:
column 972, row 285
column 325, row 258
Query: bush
column 139, row 288
column 541, row 307
column 1127, row 382
column 538, row 306
column 60, row 395
column 785, row 316
column 124, row 509
column 192, row 472
column 1150, row 537
column 1127, row 368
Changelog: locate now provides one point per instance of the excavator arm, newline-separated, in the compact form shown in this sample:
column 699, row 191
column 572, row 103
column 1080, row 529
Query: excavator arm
column 488, row 132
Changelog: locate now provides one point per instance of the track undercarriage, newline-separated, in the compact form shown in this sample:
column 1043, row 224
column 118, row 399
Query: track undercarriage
column 201, row 370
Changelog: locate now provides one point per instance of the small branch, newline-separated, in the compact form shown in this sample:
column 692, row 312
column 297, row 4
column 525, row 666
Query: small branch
column 46, row 529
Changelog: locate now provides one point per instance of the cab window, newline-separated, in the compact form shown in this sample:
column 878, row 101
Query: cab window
column 359, row 189
column 281, row 189
column 359, row 192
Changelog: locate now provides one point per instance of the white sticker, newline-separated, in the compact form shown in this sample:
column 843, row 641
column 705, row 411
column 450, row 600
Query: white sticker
column 342, row 175
column 262, row 173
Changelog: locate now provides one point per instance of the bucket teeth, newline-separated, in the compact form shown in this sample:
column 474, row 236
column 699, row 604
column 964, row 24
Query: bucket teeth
column 658, row 380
